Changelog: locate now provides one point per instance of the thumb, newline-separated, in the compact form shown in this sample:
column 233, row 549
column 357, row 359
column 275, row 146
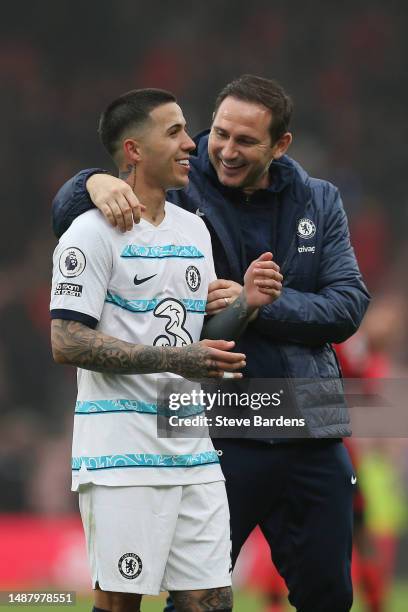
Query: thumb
column 265, row 256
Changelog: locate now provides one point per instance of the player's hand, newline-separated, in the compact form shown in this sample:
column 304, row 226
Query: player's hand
column 221, row 293
column 115, row 199
column 262, row 281
column 206, row 359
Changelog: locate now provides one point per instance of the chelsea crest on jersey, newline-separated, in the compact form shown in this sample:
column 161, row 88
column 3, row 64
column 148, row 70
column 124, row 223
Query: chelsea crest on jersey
column 148, row 286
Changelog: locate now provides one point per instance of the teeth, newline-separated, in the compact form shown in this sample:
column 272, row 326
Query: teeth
column 183, row 162
column 229, row 166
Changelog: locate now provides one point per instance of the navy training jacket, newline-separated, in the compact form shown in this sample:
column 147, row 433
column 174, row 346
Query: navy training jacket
column 324, row 298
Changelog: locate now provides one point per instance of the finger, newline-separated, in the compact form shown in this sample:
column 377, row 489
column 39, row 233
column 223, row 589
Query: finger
column 268, row 284
column 132, row 199
column 271, row 292
column 220, row 374
column 108, row 213
column 222, row 345
column 128, row 201
column 220, row 283
column 127, row 211
column 221, row 355
column 137, row 212
column 213, row 295
column 231, row 367
column 266, row 265
column 268, row 273
column 218, row 294
column 267, row 256
column 118, row 215
column 217, row 306
column 267, row 279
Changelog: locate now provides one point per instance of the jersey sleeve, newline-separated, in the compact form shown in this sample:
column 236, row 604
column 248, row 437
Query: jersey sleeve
column 82, row 266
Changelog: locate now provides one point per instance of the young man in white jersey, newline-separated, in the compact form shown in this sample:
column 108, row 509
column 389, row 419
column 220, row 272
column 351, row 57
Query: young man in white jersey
column 154, row 509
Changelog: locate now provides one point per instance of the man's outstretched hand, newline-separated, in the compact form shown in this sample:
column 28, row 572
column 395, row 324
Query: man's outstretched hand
column 115, row 199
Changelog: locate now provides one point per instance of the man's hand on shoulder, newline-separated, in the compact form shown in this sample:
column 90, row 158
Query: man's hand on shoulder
column 115, row 199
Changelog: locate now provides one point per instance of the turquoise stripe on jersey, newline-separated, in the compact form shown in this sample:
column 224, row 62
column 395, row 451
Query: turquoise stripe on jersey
column 117, row 405
column 194, row 306
column 106, row 462
column 131, row 305
column 126, row 405
column 159, row 252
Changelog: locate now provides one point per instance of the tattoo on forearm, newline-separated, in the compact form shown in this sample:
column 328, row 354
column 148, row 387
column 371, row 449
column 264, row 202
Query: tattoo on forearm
column 75, row 344
column 203, row 601
column 192, row 361
column 230, row 323
column 240, row 305
column 86, row 348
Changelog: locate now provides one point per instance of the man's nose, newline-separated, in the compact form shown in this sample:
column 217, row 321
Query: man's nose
column 229, row 150
column 188, row 144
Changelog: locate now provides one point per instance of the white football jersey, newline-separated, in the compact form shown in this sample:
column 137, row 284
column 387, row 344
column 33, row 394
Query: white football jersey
column 148, row 286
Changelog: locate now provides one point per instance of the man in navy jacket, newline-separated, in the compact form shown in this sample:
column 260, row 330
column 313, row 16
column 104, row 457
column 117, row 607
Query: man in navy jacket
column 253, row 198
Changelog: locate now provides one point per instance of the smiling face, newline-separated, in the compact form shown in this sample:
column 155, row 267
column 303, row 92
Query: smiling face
column 240, row 146
column 164, row 148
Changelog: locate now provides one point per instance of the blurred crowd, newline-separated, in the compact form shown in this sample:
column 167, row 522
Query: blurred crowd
column 61, row 63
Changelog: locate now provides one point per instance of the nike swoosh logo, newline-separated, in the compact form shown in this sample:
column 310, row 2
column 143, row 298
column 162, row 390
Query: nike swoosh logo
column 139, row 281
column 353, row 480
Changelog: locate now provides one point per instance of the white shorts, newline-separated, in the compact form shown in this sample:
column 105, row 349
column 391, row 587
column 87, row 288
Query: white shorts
column 150, row 539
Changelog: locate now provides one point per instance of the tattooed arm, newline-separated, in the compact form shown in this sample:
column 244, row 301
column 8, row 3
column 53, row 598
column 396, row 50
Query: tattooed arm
column 203, row 601
column 76, row 344
column 230, row 322
column 262, row 285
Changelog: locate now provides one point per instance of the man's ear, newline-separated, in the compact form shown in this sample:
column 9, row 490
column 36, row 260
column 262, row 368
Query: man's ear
column 282, row 145
column 132, row 150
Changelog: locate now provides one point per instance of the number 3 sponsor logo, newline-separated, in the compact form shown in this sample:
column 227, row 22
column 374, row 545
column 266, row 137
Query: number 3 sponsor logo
column 175, row 314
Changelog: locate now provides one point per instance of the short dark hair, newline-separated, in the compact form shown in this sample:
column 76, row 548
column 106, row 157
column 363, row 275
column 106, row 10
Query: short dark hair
column 130, row 109
column 267, row 92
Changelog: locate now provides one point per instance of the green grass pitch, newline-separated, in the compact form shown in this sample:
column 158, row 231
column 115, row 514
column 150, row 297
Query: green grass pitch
column 243, row 602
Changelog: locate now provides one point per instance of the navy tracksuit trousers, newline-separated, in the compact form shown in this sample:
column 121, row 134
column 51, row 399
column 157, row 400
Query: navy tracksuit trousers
column 300, row 494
